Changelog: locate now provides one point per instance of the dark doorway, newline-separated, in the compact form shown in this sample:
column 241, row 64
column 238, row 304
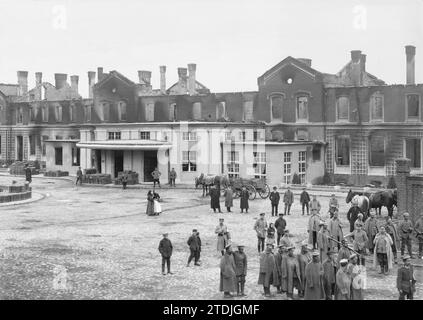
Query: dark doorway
column 150, row 163
column 98, row 160
column 118, row 162
column 19, row 148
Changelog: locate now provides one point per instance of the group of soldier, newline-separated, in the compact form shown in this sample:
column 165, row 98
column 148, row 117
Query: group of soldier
column 329, row 264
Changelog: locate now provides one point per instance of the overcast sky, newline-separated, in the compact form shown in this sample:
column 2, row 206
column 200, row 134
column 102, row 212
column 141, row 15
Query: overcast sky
column 231, row 41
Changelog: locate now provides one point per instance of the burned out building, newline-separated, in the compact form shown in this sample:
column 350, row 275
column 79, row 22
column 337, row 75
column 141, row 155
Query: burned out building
column 351, row 124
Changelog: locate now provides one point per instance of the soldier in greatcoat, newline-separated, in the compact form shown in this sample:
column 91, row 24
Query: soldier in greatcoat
column 268, row 274
column 227, row 273
column 313, row 276
column 304, row 258
column 240, row 269
column 406, row 280
column 165, row 249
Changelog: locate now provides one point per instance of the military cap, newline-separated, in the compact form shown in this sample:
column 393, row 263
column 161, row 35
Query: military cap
column 240, row 246
column 194, row 230
column 269, row 245
column 406, row 214
column 315, row 254
column 166, row 234
column 343, row 262
column 290, row 247
column 353, row 255
column 262, row 214
column 406, row 257
column 221, row 219
column 228, row 246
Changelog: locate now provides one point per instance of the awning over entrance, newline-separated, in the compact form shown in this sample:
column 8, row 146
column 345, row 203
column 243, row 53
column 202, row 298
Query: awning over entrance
column 125, row 145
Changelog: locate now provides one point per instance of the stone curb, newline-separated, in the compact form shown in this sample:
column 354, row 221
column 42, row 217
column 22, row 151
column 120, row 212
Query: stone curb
column 16, row 203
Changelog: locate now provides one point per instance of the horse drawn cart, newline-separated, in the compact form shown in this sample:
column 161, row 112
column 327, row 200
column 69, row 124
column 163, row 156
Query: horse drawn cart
column 253, row 187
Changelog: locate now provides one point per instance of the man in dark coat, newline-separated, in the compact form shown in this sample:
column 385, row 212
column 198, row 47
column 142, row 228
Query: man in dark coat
column 194, row 247
column 329, row 276
column 268, row 273
column 227, row 273
column 199, row 249
column 78, row 176
column 313, row 275
column 405, row 280
column 291, row 273
column 156, row 177
column 288, row 199
column 240, row 259
column 215, row 199
column 165, row 249
column 304, row 200
column 28, row 174
column 279, row 258
column 352, row 216
column 304, row 258
column 172, row 177
column 280, row 225
column 418, row 227
column 274, row 200
column 244, row 196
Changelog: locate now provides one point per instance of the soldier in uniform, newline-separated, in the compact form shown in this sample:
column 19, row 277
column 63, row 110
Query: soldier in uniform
column 288, row 199
column 405, row 230
column 405, row 280
column 391, row 229
column 333, row 205
column 305, row 200
column 240, row 259
column 419, row 235
column 274, row 198
column 304, row 258
column 156, row 177
column 172, row 177
column 227, row 273
column 260, row 227
column 222, row 236
column 165, row 249
column 313, row 228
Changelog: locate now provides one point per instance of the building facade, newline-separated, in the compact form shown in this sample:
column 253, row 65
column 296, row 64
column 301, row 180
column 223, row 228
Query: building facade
column 301, row 121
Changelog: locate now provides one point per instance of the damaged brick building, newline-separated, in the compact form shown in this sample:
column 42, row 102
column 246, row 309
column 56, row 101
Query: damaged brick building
column 350, row 124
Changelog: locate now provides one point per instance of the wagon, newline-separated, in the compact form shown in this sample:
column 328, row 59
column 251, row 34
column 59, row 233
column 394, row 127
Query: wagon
column 253, row 186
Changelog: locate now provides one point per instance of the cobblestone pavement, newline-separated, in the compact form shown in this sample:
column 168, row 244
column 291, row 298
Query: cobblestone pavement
column 97, row 243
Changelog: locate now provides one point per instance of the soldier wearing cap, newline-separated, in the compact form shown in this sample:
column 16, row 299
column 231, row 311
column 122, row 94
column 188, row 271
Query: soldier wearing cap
column 260, row 227
column 280, row 225
column 313, row 227
column 227, row 273
column 329, row 276
column 335, row 230
column 194, row 244
column 313, row 276
column 291, row 277
column 240, row 259
column 359, row 221
column 419, row 235
column 333, row 205
column 370, row 226
column 323, row 243
column 405, row 230
column 343, row 281
column 286, row 241
column 268, row 274
column 354, row 271
column 383, row 251
column 304, row 258
column 222, row 236
column 406, row 280
column 280, row 256
column 359, row 243
column 165, row 249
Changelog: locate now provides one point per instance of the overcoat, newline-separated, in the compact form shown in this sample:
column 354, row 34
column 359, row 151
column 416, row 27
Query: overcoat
column 314, row 285
column 388, row 250
column 227, row 273
column 268, row 273
column 229, row 196
column 244, row 199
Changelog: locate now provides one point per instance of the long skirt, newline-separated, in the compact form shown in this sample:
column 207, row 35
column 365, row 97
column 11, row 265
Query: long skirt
column 157, row 207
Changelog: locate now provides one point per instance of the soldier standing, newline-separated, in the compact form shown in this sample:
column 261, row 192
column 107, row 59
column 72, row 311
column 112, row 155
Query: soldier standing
column 304, row 200
column 165, row 249
column 274, row 198
column 240, row 269
column 288, row 199
column 260, row 226
column 405, row 229
column 419, row 235
column 156, row 177
column 172, row 177
column 405, row 280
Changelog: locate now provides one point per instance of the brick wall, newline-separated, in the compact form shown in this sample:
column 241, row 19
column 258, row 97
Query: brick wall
column 410, row 190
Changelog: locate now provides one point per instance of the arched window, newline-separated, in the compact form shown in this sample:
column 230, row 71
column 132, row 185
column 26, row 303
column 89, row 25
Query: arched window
column 302, row 108
column 221, row 110
column 122, row 111
column 342, row 108
column 376, row 107
column 105, row 107
column 276, row 107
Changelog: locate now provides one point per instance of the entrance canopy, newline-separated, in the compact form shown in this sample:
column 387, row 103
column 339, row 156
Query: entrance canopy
column 125, row 145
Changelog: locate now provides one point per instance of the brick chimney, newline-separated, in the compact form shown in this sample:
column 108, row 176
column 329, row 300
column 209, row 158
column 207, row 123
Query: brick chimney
column 163, row 79
column 410, row 52
column 74, row 83
column 99, row 74
column 191, row 78
column 91, row 82
column 144, row 77
column 38, row 84
column 357, row 67
column 182, row 75
column 23, row 83
column 60, row 79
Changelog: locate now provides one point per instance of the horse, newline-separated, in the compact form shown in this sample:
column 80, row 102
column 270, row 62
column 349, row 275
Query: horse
column 211, row 180
column 362, row 201
column 387, row 198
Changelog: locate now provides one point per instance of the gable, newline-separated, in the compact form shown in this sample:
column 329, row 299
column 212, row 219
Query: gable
column 114, row 75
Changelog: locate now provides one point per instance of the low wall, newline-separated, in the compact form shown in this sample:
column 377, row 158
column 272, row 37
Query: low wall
column 11, row 197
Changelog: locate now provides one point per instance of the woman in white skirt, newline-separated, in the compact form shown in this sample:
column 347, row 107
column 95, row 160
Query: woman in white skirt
column 157, row 205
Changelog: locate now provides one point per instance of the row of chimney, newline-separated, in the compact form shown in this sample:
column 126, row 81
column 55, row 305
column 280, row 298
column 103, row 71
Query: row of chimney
column 187, row 75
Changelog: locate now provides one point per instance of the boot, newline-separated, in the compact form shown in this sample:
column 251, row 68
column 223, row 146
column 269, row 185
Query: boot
column 242, row 289
column 237, row 289
column 382, row 269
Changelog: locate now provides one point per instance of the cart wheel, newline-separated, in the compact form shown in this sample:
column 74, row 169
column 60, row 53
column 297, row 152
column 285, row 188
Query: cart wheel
column 265, row 192
column 252, row 192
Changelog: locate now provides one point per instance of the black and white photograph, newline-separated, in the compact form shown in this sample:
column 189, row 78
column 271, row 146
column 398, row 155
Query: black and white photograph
column 241, row 152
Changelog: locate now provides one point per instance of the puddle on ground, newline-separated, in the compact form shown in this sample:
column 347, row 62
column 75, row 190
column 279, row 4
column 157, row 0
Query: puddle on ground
column 57, row 251
column 22, row 228
column 93, row 235
column 30, row 221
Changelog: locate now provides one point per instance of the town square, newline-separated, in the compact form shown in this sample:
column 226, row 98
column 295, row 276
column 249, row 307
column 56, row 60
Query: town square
column 211, row 150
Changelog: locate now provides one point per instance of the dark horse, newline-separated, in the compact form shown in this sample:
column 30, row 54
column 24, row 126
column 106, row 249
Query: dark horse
column 210, row 180
column 387, row 198
column 362, row 201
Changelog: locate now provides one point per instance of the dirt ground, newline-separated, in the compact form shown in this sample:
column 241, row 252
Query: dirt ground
column 97, row 243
